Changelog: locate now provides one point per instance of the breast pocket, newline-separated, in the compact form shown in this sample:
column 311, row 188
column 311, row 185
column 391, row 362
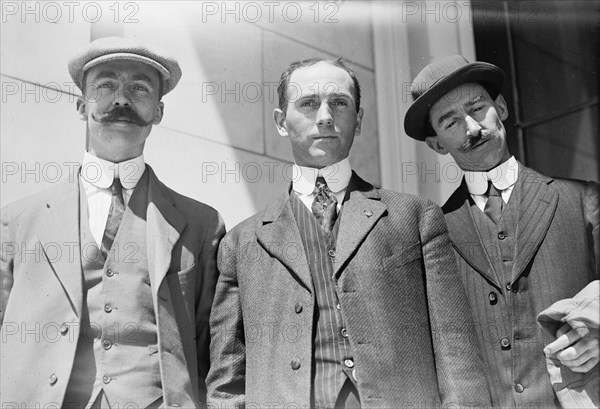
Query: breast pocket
column 403, row 257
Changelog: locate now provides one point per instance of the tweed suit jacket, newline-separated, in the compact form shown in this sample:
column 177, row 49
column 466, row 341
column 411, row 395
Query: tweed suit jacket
column 42, row 292
column 399, row 291
column 555, row 256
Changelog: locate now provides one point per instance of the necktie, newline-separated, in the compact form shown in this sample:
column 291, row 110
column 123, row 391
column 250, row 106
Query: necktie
column 495, row 204
column 117, row 208
column 324, row 206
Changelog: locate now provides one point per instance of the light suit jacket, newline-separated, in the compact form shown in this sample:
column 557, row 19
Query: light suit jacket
column 403, row 305
column 556, row 255
column 42, row 292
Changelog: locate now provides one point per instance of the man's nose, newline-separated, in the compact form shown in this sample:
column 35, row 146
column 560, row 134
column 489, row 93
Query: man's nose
column 122, row 97
column 473, row 127
column 324, row 117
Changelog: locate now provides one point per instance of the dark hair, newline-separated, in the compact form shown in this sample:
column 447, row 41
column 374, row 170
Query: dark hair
column 284, row 81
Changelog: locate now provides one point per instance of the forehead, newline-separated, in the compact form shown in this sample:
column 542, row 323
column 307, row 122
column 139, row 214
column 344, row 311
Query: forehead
column 321, row 78
column 459, row 96
column 126, row 69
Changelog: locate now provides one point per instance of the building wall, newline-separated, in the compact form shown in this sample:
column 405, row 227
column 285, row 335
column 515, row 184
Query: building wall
column 217, row 142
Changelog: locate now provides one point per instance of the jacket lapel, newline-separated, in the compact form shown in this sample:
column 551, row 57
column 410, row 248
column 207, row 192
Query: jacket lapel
column 164, row 227
column 536, row 211
column 361, row 210
column 279, row 236
column 60, row 239
column 465, row 236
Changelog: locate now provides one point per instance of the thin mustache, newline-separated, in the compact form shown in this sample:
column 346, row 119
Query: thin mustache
column 120, row 113
column 474, row 140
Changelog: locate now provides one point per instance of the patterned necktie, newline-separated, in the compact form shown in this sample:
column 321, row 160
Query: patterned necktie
column 324, row 206
column 117, row 208
column 494, row 205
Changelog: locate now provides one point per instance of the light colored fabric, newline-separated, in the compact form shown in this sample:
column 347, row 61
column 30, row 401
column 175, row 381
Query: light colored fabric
column 337, row 177
column 574, row 390
column 503, row 177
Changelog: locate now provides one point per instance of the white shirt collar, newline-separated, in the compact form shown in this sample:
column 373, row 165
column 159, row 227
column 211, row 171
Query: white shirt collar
column 502, row 176
column 337, row 177
column 100, row 173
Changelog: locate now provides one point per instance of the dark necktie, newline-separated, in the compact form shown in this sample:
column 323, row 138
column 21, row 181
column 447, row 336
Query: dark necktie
column 117, row 208
column 495, row 204
column 324, row 206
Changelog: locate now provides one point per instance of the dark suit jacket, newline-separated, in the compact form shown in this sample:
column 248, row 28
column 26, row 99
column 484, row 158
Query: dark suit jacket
column 41, row 284
column 400, row 294
column 556, row 255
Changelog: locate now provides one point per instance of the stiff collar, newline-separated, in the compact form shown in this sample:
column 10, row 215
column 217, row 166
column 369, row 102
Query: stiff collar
column 337, row 177
column 502, row 176
column 100, row 173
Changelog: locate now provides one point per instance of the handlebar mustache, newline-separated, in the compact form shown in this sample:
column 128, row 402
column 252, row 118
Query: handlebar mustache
column 120, row 113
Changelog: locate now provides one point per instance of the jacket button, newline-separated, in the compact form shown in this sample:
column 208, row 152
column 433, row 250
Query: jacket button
column 344, row 332
column 106, row 379
column 107, row 308
column 501, row 235
column 64, row 328
column 519, row 388
column 295, row 364
column 338, row 306
column 110, row 273
column 505, row 343
column 106, row 344
column 349, row 363
column 331, row 253
column 368, row 213
column 508, row 286
column 493, row 298
column 298, row 308
column 53, row 379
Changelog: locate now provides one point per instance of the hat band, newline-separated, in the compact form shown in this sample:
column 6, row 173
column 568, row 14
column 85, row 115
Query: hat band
column 128, row 56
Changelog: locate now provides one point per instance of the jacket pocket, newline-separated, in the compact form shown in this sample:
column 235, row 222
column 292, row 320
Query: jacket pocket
column 404, row 256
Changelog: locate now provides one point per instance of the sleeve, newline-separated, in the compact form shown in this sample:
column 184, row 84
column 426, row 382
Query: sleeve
column 226, row 381
column 208, row 262
column 7, row 251
column 461, row 377
column 592, row 217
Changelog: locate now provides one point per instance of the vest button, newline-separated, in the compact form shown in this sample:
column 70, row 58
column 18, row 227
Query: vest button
column 344, row 332
column 295, row 364
column 107, row 308
column 501, row 235
column 106, row 344
column 508, row 286
column 338, row 306
column 110, row 273
column 53, row 379
column 64, row 328
column 349, row 363
column 298, row 308
column 519, row 388
column 105, row 379
column 493, row 298
column 505, row 343
column 331, row 253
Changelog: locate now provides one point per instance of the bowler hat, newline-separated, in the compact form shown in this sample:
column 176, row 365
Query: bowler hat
column 440, row 77
column 119, row 48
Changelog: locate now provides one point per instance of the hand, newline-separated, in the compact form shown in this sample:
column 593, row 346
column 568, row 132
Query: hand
column 576, row 348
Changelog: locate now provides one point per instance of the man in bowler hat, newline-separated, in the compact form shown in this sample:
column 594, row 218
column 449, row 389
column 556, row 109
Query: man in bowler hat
column 120, row 313
column 523, row 240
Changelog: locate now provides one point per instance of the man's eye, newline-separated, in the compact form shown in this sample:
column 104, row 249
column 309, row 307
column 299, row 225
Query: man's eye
column 449, row 124
column 307, row 104
column 139, row 87
column 108, row 85
column 340, row 103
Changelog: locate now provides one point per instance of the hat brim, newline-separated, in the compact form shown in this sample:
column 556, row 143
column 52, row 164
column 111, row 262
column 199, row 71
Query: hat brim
column 416, row 121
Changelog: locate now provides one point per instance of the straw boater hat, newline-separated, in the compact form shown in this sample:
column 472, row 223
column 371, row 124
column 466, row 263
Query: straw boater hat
column 437, row 79
column 120, row 48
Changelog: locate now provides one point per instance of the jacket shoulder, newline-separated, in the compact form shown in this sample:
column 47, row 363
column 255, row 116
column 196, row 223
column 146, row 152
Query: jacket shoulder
column 29, row 206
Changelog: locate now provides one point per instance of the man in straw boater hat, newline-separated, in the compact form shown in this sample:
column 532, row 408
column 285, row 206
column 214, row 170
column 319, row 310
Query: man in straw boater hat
column 108, row 278
column 523, row 240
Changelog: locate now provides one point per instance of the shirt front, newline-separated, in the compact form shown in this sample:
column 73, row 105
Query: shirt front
column 97, row 176
column 503, row 177
column 337, row 177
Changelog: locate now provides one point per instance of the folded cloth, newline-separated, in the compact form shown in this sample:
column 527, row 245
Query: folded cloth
column 582, row 312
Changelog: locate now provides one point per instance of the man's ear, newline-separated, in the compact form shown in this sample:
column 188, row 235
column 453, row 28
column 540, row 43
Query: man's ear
column 160, row 110
column 81, row 108
column 279, row 118
column 434, row 143
column 359, row 116
column 502, row 107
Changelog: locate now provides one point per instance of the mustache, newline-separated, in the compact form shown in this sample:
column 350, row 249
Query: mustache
column 473, row 141
column 121, row 113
